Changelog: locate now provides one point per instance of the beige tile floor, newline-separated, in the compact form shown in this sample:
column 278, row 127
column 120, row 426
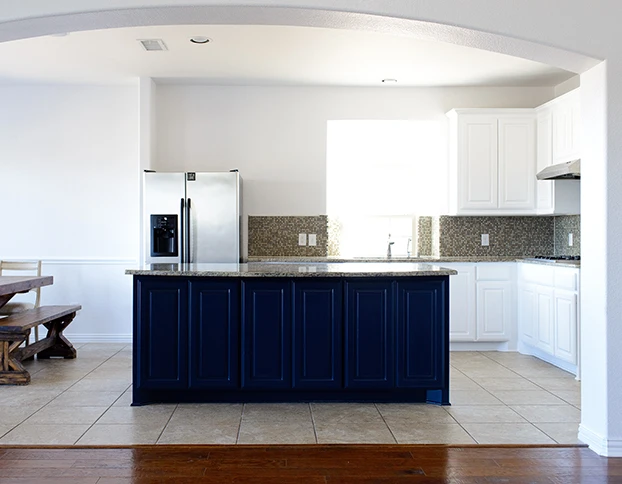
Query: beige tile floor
column 497, row 398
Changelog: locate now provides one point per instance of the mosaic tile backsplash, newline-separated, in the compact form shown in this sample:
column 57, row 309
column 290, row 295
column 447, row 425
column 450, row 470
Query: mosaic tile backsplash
column 444, row 236
column 564, row 225
column 277, row 236
column 508, row 236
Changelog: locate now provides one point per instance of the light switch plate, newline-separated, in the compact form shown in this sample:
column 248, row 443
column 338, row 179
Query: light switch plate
column 570, row 239
column 302, row 239
column 312, row 239
column 485, row 240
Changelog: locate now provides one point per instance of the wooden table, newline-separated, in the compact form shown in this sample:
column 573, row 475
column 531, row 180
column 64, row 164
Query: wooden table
column 11, row 285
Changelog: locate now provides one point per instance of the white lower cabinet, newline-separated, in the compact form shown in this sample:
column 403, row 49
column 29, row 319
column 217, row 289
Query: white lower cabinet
column 481, row 302
column 494, row 310
column 548, row 313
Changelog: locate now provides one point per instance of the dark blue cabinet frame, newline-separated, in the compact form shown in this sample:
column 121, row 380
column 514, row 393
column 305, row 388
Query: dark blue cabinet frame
column 291, row 339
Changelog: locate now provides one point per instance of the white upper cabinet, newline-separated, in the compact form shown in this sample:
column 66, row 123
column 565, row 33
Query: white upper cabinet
column 558, row 141
column 492, row 161
column 566, row 113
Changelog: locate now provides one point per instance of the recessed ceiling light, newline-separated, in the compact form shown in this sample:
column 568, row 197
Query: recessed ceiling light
column 389, row 81
column 200, row 40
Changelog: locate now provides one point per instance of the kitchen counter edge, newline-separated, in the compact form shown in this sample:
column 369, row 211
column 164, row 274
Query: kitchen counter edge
column 302, row 269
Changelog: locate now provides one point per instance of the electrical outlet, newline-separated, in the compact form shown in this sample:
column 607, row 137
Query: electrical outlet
column 312, row 239
column 485, row 240
column 570, row 239
column 302, row 239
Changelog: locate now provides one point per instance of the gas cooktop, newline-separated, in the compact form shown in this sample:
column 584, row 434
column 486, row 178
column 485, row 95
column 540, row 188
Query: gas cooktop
column 558, row 257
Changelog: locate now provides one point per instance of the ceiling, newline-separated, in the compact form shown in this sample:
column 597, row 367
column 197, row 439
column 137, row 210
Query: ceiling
column 263, row 55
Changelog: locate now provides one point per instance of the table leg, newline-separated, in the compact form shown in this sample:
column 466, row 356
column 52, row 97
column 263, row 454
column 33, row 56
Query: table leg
column 11, row 370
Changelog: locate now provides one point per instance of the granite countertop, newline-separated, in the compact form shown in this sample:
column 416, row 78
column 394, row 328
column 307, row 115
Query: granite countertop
column 302, row 269
column 417, row 260
column 575, row 264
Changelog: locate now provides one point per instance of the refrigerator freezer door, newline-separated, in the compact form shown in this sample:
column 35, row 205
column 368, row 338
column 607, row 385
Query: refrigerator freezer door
column 162, row 195
column 214, row 200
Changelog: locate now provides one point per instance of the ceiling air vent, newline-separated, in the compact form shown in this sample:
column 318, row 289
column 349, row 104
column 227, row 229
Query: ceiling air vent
column 153, row 44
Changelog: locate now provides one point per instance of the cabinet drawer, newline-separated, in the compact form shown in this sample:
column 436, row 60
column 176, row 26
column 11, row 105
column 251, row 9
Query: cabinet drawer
column 539, row 274
column 494, row 272
column 567, row 279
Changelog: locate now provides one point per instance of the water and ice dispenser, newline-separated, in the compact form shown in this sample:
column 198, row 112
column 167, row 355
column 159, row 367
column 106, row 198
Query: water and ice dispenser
column 164, row 236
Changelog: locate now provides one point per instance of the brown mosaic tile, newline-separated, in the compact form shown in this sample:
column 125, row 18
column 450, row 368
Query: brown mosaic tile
column 509, row 236
column 564, row 225
column 423, row 236
column 278, row 235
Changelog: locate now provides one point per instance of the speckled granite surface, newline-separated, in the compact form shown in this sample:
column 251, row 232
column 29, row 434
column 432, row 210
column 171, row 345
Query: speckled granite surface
column 417, row 260
column 320, row 269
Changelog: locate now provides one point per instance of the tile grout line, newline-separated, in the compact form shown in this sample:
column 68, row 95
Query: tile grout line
column 166, row 424
column 237, row 437
column 385, row 422
column 64, row 391
column 313, row 422
column 529, row 380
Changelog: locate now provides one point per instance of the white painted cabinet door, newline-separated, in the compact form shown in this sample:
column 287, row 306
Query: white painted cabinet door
column 545, row 318
column 477, row 162
column 566, row 128
column 566, row 326
column 462, row 303
column 544, row 188
column 517, row 163
column 494, row 310
column 527, row 308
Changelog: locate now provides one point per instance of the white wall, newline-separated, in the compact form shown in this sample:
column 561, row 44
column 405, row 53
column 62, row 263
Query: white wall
column 276, row 136
column 69, row 196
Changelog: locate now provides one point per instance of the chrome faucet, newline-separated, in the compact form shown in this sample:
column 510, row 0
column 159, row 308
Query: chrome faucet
column 389, row 244
column 408, row 244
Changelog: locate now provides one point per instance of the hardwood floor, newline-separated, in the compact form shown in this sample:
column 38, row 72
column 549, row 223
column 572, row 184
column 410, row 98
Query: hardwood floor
column 307, row 464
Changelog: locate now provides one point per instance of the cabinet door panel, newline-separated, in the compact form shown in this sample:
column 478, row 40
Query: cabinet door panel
column 214, row 329
column 421, row 326
column 162, row 334
column 545, row 319
column 317, row 334
column 494, row 310
column 517, row 163
column 369, row 335
column 462, row 303
column 566, row 326
column 527, row 309
column 544, row 158
column 266, row 334
column 477, row 165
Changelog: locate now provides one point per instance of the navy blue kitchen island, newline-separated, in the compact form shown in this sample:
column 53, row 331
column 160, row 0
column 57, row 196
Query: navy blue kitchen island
column 263, row 332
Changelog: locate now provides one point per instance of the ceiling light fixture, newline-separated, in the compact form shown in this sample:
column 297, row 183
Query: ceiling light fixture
column 200, row 40
column 389, row 81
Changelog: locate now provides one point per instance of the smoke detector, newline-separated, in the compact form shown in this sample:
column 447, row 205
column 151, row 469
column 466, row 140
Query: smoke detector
column 153, row 45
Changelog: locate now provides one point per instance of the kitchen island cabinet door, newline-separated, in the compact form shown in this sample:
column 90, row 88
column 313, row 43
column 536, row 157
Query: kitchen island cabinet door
column 266, row 334
column 161, row 329
column 369, row 320
column 214, row 330
column 422, row 318
column 317, row 334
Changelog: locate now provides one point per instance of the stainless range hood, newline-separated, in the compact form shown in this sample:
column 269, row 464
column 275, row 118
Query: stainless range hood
column 570, row 170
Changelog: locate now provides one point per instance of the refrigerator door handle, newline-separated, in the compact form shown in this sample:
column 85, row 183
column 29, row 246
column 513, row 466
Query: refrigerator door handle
column 188, row 239
column 182, row 229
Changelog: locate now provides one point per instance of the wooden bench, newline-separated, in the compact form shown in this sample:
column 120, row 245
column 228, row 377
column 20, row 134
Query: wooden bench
column 15, row 329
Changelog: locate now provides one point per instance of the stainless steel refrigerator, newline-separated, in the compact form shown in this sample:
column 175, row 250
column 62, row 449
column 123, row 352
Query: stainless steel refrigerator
column 191, row 217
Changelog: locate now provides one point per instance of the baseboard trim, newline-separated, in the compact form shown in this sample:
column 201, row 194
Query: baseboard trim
column 99, row 338
column 599, row 444
column 483, row 346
